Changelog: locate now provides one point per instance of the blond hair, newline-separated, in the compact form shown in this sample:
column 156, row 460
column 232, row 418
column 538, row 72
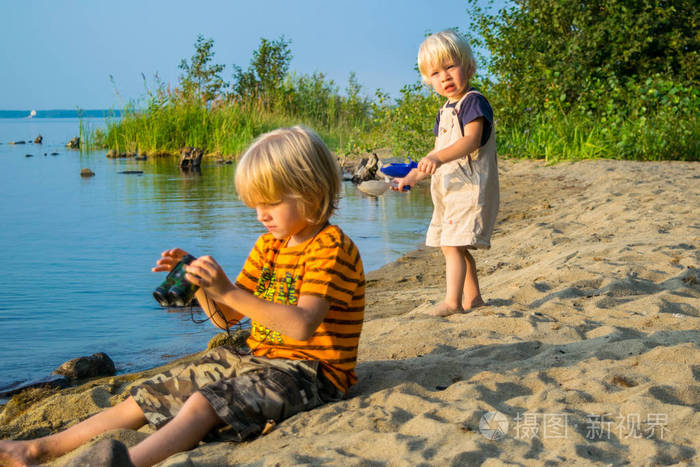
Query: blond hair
column 442, row 48
column 290, row 162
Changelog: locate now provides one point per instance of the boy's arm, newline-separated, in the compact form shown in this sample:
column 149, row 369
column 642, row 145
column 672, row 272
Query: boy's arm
column 470, row 142
column 296, row 321
column 224, row 318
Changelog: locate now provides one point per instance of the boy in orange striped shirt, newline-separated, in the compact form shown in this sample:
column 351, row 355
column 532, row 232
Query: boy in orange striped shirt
column 302, row 287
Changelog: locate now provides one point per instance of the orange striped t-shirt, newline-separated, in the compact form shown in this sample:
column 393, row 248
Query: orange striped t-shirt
column 330, row 267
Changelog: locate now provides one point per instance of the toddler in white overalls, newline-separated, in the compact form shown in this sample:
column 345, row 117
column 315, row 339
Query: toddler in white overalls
column 464, row 170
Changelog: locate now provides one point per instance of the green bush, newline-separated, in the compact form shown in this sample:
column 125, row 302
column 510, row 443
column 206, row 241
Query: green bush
column 654, row 120
column 605, row 78
column 408, row 123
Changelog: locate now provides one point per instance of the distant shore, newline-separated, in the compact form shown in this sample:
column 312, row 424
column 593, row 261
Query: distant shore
column 62, row 113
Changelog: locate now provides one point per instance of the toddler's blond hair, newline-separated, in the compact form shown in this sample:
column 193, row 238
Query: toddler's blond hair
column 444, row 47
column 292, row 162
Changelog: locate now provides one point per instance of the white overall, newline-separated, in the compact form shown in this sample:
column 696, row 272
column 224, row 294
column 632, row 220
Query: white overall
column 465, row 191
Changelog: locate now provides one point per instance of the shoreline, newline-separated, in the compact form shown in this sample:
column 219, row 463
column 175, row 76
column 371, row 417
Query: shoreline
column 79, row 330
column 592, row 325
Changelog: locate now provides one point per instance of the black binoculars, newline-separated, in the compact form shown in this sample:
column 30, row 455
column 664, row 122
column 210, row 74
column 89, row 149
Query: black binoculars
column 175, row 289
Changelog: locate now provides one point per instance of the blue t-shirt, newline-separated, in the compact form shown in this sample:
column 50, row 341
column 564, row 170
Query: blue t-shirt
column 473, row 107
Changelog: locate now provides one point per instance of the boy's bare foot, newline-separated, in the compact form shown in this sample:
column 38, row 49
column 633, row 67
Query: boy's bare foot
column 442, row 309
column 17, row 454
column 473, row 303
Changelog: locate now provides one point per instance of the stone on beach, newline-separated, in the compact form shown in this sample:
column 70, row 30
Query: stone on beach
column 51, row 381
column 373, row 187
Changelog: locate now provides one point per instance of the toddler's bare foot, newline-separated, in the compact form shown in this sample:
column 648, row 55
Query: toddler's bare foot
column 473, row 303
column 17, row 454
column 442, row 309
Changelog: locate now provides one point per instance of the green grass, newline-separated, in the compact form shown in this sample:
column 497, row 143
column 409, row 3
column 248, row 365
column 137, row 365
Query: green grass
column 224, row 129
column 557, row 137
column 635, row 133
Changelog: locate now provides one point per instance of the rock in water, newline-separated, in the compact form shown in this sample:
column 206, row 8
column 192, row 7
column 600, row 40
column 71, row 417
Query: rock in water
column 98, row 364
column 373, row 187
column 74, row 143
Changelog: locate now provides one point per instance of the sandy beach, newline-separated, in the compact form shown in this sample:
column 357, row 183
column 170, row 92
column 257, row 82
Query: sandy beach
column 587, row 352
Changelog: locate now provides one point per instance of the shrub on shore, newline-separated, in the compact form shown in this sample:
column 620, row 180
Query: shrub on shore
column 600, row 79
column 206, row 112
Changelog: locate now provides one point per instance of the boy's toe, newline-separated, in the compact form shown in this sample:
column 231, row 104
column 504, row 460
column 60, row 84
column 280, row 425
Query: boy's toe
column 442, row 310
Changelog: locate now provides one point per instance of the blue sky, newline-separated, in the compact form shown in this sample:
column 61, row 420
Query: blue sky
column 61, row 54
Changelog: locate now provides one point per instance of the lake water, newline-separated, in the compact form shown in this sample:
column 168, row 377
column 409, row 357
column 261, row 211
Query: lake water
column 78, row 251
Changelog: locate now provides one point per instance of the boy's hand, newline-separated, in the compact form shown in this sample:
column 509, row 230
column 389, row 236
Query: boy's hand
column 168, row 259
column 429, row 164
column 206, row 273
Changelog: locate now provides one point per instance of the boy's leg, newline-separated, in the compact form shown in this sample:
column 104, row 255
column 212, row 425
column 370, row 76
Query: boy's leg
column 126, row 414
column 455, row 272
column 471, row 297
column 194, row 420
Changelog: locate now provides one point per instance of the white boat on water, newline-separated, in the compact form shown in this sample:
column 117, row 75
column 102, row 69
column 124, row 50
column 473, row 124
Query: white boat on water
column 32, row 114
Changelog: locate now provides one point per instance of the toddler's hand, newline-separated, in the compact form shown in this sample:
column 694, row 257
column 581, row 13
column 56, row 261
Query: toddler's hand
column 429, row 164
column 405, row 183
column 399, row 184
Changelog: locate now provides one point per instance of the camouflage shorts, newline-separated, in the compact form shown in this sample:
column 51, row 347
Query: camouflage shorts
column 245, row 391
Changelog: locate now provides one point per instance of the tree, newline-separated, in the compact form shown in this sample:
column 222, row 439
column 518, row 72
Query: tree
column 266, row 72
column 201, row 80
column 573, row 52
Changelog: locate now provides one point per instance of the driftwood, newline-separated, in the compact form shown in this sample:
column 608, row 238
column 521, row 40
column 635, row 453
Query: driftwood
column 191, row 157
column 367, row 169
